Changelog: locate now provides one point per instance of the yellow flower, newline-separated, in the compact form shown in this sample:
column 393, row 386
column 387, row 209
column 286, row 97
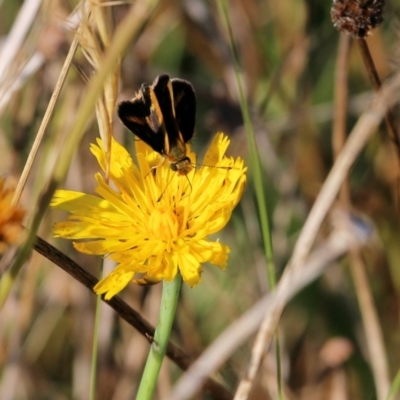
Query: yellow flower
column 152, row 221
column 11, row 217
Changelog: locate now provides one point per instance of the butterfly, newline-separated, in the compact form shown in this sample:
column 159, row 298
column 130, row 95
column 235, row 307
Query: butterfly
column 163, row 115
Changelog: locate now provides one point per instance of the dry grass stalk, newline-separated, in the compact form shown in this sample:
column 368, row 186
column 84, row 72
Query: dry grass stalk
column 372, row 329
column 95, row 38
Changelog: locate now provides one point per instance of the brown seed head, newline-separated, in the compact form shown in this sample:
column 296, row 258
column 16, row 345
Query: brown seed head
column 357, row 17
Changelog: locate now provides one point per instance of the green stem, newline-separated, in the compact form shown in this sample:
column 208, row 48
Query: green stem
column 95, row 350
column 95, row 345
column 169, row 301
column 254, row 155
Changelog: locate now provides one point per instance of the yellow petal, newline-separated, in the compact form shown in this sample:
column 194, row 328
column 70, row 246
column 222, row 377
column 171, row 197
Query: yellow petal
column 217, row 149
column 190, row 269
column 104, row 246
column 114, row 282
column 68, row 200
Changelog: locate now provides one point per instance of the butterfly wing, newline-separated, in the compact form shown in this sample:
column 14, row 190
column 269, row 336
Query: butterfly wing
column 162, row 115
column 141, row 117
column 163, row 91
column 185, row 107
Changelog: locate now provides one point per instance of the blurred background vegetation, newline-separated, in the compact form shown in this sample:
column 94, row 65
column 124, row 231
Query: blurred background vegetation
column 288, row 51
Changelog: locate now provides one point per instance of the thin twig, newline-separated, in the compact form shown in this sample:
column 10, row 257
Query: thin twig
column 46, row 119
column 340, row 103
column 377, row 84
column 389, row 119
column 372, row 328
column 369, row 64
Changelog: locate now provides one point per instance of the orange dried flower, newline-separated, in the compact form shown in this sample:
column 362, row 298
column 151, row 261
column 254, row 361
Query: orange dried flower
column 11, row 217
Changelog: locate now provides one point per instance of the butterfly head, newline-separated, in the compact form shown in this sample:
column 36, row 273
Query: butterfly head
column 178, row 159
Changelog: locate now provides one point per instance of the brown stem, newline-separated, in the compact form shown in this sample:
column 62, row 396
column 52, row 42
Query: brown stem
column 372, row 329
column 340, row 104
column 376, row 83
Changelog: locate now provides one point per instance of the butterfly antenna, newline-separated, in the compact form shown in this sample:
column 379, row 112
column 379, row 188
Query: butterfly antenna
column 154, row 167
column 162, row 194
column 209, row 166
column 190, row 184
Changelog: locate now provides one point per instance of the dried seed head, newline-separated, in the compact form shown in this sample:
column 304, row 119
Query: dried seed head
column 357, row 17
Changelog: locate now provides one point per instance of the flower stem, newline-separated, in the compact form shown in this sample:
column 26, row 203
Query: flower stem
column 169, row 301
column 95, row 345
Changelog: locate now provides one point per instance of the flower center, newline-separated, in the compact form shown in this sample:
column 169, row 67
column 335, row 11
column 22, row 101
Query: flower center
column 164, row 224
